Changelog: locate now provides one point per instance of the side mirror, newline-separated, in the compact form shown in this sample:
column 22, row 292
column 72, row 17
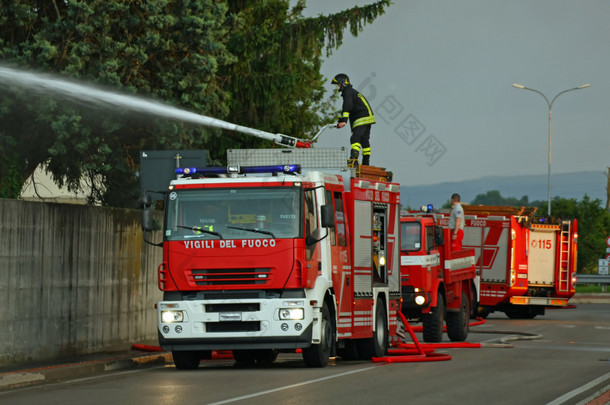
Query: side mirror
column 148, row 223
column 328, row 216
column 312, row 238
column 147, row 219
column 146, row 200
column 147, row 213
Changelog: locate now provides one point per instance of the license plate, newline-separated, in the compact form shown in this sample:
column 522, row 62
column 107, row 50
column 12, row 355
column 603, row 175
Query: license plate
column 230, row 316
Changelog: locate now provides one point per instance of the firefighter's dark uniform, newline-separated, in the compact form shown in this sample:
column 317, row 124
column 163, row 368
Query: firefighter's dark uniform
column 358, row 111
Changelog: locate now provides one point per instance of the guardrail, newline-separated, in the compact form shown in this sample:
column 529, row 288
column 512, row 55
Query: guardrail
column 602, row 279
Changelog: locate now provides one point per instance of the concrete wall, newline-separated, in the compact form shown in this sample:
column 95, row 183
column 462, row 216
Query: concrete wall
column 73, row 280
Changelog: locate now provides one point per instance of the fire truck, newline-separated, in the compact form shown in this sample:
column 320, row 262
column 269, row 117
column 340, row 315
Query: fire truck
column 437, row 284
column 525, row 263
column 283, row 249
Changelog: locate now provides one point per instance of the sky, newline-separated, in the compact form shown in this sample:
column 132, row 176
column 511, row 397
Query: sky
column 439, row 76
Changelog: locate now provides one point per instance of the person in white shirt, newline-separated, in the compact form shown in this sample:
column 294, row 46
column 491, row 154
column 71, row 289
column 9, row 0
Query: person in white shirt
column 456, row 222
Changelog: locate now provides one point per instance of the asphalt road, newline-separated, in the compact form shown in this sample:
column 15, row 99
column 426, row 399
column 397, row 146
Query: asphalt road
column 564, row 359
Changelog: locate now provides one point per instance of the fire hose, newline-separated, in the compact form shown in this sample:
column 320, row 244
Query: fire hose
column 418, row 352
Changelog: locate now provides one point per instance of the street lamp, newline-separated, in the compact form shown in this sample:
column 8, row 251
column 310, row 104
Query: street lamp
column 550, row 105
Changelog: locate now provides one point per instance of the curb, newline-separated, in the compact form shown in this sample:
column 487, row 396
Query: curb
column 55, row 373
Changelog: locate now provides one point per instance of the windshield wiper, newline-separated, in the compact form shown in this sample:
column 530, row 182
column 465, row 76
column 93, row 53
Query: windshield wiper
column 253, row 230
column 200, row 229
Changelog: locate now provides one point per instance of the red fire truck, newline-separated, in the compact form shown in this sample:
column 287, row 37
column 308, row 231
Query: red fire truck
column 437, row 283
column 283, row 249
column 525, row 263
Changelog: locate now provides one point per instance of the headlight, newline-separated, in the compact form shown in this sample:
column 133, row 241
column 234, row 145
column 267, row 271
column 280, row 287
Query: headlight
column 420, row 299
column 172, row 316
column 292, row 314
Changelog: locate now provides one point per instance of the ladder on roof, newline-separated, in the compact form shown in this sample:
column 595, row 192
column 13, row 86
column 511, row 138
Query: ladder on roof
column 564, row 256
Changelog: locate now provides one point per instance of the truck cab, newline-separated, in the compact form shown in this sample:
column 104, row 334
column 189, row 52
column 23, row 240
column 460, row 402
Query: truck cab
column 438, row 284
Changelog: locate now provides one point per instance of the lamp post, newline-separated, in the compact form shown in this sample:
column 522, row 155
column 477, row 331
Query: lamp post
column 550, row 105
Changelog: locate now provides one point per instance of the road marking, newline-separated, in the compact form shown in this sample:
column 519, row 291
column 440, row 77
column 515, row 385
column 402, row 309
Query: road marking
column 76, row 380
column 287, row 387
column 599, row 396
column 580, row 390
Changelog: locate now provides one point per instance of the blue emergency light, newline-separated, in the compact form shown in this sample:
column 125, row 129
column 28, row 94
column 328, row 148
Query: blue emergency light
column 237, row 169
column 427, row 208
column 189, row 171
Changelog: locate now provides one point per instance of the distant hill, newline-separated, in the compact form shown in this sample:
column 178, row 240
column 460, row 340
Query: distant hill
column 565, row 185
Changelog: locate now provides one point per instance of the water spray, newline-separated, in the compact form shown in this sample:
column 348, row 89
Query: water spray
column 44, row 83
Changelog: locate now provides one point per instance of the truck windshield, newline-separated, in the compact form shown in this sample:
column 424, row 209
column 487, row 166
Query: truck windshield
column 234, row 213
column 410, row 236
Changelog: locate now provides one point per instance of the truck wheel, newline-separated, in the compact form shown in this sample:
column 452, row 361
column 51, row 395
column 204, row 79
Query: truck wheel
column 317, row 355
column 186, row 360
column 380, row 337
column 474, row 307
column 433, row 322
column 377, row 346
column 458, row 323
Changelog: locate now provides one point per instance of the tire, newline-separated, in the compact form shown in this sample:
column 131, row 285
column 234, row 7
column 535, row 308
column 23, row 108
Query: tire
column 377, row 346
column 458, row 323
column 186, row 360
column 380, row 336
column 433, row 322
column 474, row 307
column 317, row 355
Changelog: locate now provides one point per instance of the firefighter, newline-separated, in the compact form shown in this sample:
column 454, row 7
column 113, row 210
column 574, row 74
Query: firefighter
column 357, row 109
column 456, row 222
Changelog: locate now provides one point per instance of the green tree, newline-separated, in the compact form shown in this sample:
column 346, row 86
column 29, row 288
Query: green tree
column 493, row 197
column 11, row 181
column 253, row 62
column 593, row 228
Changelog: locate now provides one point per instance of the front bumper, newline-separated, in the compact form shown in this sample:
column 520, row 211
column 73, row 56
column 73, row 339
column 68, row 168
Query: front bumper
column 234, row 324
column 544, row 301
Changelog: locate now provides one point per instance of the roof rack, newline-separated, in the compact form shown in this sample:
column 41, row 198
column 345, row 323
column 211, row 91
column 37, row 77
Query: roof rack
column 498, row 210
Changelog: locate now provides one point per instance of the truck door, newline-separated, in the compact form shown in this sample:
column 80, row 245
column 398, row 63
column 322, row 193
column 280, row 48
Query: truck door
column 340, row 262
column 312, row 230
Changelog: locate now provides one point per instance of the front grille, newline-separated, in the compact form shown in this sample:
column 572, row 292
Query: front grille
column 221, row 327
column 237, row 307
column 219, row 277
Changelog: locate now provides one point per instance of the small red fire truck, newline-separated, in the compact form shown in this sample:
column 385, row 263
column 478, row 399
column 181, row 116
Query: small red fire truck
column 525, row 263
column 437, row 283
column 283, row 249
